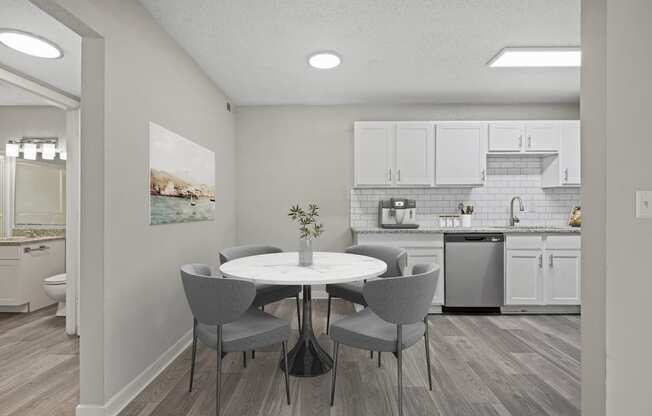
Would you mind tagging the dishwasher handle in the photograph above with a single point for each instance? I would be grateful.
(474, 238)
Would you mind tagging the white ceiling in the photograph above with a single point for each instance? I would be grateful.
(64, 73)
(11, 95)
(409, 51)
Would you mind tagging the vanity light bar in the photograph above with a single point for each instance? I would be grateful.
(30, 146)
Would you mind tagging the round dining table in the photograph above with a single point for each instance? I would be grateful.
(307, 358)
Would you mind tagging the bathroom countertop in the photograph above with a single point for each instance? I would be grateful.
(444, 230)
(20, 241)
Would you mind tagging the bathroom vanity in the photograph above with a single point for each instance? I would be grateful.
(24, 263)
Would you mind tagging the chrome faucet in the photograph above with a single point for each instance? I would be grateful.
(513, 219)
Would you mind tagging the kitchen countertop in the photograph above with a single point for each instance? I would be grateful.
(20, 241)
(443, 230)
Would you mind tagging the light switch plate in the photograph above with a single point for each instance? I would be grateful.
(643, 204)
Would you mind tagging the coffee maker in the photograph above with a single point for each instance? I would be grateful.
(397, 213)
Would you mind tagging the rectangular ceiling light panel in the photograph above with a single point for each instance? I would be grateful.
(537, 58)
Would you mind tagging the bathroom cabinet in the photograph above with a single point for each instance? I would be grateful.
(24, 263)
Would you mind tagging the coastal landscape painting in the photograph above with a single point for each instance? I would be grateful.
(181, 179)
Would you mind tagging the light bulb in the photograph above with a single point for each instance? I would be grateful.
(12, 149)
(48, 151)
(29, 151)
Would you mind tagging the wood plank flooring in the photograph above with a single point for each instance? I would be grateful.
(39, 365)
(482, 366)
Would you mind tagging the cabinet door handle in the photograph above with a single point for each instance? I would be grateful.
(520, 141)
(483, 173)
(40, 248)
(399, 175)
(566, 175)
(550, 260)
(390, 174)
(541, 260)
(529, 141)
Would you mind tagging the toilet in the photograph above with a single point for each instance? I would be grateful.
(55, 288)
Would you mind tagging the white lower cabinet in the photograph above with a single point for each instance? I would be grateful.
(543, 270)
(523, 282)
(563, 270)
(421, 248)
(22, 270)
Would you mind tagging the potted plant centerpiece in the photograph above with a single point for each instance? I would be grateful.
(309, 229)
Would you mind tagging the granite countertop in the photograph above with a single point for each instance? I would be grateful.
(443, 230)
(20, 241)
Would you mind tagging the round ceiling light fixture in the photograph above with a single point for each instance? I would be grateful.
(30, 44)
(324, 60)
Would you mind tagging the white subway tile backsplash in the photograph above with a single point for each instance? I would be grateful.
(507, 176)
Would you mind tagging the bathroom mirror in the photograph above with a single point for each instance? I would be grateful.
(40, 193)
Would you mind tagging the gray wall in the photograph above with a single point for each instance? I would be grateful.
(133, 74)
(616, 107)
(594, 196)
(629, 240)
(39, 121)
(301, 154)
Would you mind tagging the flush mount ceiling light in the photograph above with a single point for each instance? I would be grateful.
(324, 60)
(535, 57)
(30, 44)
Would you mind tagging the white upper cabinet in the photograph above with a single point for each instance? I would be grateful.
(460, 153)
(506, 137)
(374, 144)
(542, 136)
(454, 153)
(414, 154)
(570, 154)
(564, 169)
(394, 154)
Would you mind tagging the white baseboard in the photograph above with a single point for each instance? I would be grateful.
(541, 309)
(90, 410)
(121, 399)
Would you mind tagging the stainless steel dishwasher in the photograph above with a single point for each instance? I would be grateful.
(474, 270)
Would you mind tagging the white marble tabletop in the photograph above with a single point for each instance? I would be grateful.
(284, 269)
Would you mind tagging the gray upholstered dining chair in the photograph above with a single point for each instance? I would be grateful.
(224, 319)
(396, 260)
(397, 310)
(265, 294)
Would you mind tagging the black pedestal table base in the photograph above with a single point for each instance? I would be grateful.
(308, 358)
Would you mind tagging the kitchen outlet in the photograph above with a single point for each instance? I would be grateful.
(643, 204)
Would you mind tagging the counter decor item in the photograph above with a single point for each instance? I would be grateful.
(466, 220)
(575, 219)
(309, 229)
(449, 221)
(467, 211)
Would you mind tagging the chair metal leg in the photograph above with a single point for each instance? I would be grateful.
(219, 370)
(194, 352)
(425, 320)
(298, 312)
(244, 359)
(328, 315)
(336, 350)
(287, 381)
(253, 352)
(379, 364)
(399, 348)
